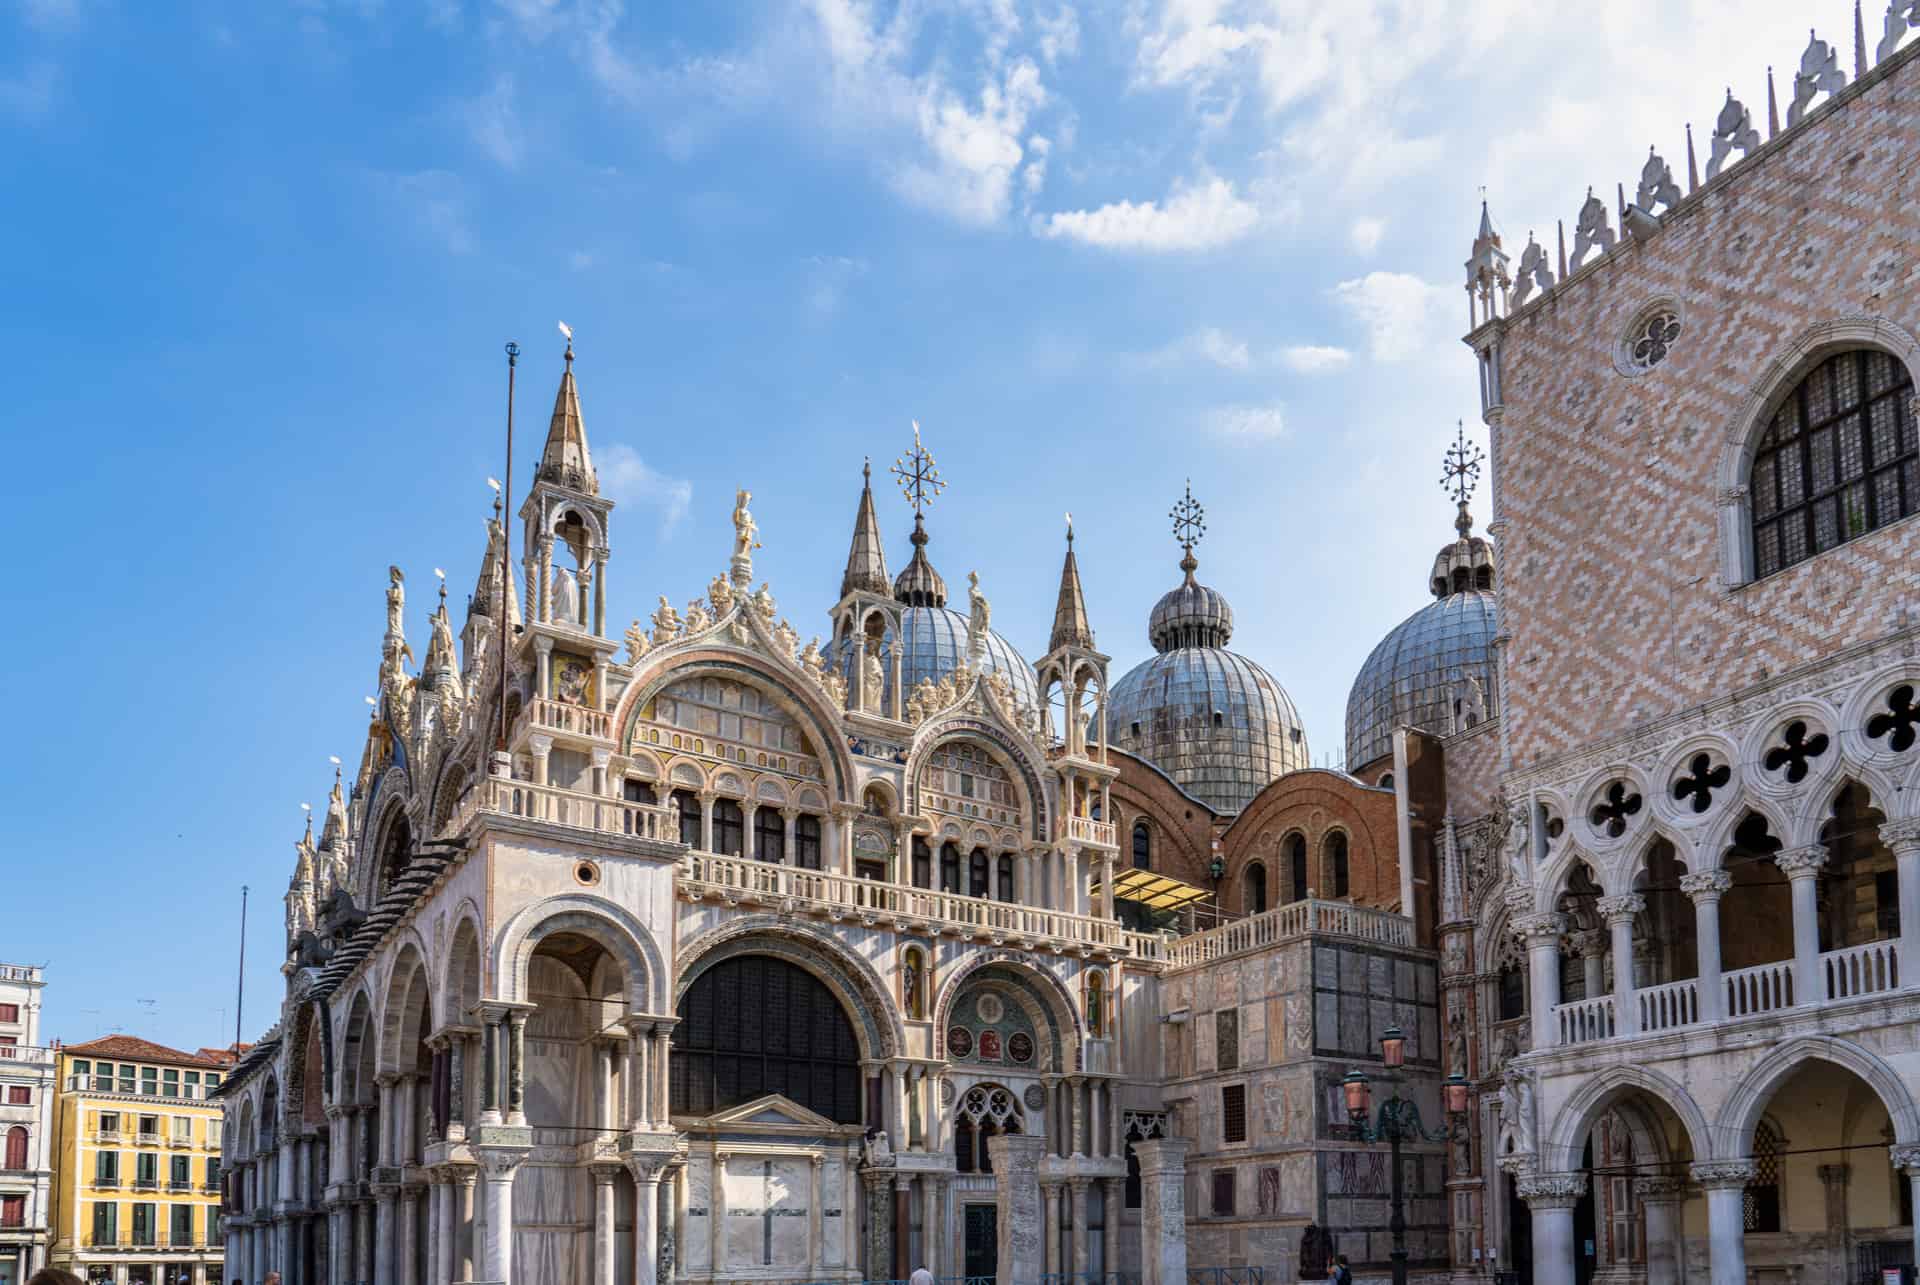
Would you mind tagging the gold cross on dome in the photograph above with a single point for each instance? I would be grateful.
(919, 476)
(1189, 520)
(1460, 467)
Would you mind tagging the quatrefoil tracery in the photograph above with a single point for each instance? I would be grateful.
(1703, 776)
(1609, 816)
(1899, 722)
(1795, 754)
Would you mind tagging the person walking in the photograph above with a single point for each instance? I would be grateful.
(921, 1276)
(1342, 1274)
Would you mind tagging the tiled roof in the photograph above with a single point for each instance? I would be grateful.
(133, 1048)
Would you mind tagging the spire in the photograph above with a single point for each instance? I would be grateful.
(335, 827)
(441, 660)
(920, 482)
(1486, 225)
(1070, 627)
(866, 558)
(1859, 42)
(565, 459)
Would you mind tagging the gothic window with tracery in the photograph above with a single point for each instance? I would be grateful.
(1838, 459)
(1651, 338)
(987, 1111)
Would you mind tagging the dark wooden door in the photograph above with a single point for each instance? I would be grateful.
(982, 1241)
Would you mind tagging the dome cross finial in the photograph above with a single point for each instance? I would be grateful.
(1459, 472)
(1189, 526)
(919, 476)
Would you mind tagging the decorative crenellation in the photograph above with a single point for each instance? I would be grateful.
(1494, 295)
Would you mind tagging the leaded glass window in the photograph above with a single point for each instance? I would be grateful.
(1838, 459)
(1761, 1202)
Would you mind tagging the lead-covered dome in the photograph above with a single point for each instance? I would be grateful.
(936, 643)
(1215, 722)
(1434, 671)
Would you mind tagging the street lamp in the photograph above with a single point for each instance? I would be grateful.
(1398, 1121)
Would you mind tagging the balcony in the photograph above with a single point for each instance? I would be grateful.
(19, 973)
(568, 720)
(1309, 918)
(590, 813)
(146, 1184)
(178, 1187)
(107, 1181)
(107, 1138)
(33, 1054)
(1747, 992)
(1088, 831)
(145, 1139)
(178, 1140)
(836, 897)
(133, 1088)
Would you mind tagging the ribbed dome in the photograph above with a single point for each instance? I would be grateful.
(936, 643)
(1435, 670)
(1214, 721)
(1190, 615)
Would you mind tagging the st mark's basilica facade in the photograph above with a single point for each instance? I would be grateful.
(691, 951)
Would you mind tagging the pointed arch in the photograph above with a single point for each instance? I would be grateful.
(1603, 1090)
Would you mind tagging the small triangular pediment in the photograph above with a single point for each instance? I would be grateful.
(772, 1110)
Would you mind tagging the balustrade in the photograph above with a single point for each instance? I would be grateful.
(1668, 1007)
(572, 720)
(1861, 970)
(1585, 1019)
(1296, 919)
(571, 809)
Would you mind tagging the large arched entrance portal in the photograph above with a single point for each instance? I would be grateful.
(754, 1025)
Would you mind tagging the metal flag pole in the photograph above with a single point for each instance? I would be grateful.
(506, 561)
(240, 998)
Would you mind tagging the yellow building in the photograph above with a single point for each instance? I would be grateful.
(136, 1187)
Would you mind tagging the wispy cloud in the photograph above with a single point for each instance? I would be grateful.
(627, 479)
(1314, 359)
(1365, 234)
(1209, 345)
(1398, 310)
(1248, 424)
(1205, 216)
(493, 125)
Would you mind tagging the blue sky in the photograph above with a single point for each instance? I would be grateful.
(262, 259)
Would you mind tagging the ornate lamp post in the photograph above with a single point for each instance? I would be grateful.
(1399, 1121)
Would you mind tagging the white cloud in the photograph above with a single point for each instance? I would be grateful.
(493, 125)
(1315, 359)
(1248, 424)
(1366, 233)
(1398, 310)
(971, 153)
(1202, 217)
(627, 479)
(1210, 345)
(1059, 33)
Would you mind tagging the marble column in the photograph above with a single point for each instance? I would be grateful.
(490, 1060)
(1661, 1199)
(1551, 1198)
(386, 1204)
(407, 1266)
(498, 1165)
(1590, 946)
(1620, 912)
(464, 1249)
(930, 1228)
(1903, 839)
(517, 1068)
(1078, 1113)
(1115, 1191)
(1802, 868)
(662, 1061)
(1839, 1220)
(1016, 1167)
(1163, 1210)
(445, 1265)
(603, 1260)
(902, 1210)
(1541, 936)
(1706, 889)
(1050, 1194)
(1906, 1159)
(1077, 1189)
(646, 1215)
(363, 1240)
(1725, 1182)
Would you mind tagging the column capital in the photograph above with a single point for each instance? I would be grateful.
(1801, 863)
(1903, 837)
(1720, 1175)
(604, 1172)
(1660, 1191)
(541, 744)
(1551, 1190)
(1906, 1158)
(1538, 930)
(1620, 909)
(500, 1163)
(1708, 885)
(1588, 943)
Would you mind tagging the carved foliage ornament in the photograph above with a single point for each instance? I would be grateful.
(1554, 1190)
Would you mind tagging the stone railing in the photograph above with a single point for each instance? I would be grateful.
(1663, 1008)
(1087, 830)
(736, 881)
(1862, 970)
(1584, 1020)
(19, 972)
(1310, 918)
(572, 720)
(25, 1053)
(566, 808)
(1760, 989)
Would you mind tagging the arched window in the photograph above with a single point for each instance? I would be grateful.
(769, 834)
(1005, 874)
(979, 873)
(1761, 1204)
(1297, 868)
(689, 807)
(1256, 899)
(396, 850)
(1142, 846)
(17, 1147)
(754, 1025)
(1096, 1003)
(728, 827)
(1838, 460)
(913, 983)
(806, 842)
(1513, 990)
(949, 867)
(1337, 862)
(922, 863)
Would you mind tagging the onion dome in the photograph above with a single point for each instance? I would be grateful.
(1435, 670)
(1214, 721)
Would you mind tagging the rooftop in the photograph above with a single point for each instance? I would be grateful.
(131, 1048)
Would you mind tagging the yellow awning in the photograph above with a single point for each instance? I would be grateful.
(1156, 891)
